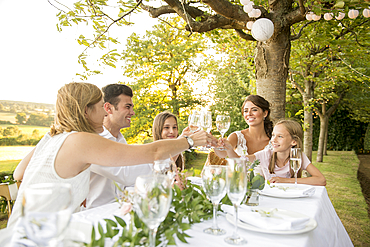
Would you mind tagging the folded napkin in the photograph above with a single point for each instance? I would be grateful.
(269, 219)
(289, 190)
(195, 180)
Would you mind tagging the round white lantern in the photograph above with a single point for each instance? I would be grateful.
(244, 2)
(316, 17)
(340, 16)
(248, 8)
(262, 29)
(366, 13)
(257, 13)
(328, 16)
(309, 16)
(250, 24)
(353, 13)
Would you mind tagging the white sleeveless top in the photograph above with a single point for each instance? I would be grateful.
(241, 147)
(41, 170)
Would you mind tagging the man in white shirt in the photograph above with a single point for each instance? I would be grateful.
(119, 106)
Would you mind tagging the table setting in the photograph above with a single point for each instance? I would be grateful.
(213, 209)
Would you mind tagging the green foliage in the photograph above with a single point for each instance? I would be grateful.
(344, 133)
(21, 117)
(189, 206)
(163, 70)
(255, 181)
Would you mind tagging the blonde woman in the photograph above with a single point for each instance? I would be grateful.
(65, 154)
(285, 135)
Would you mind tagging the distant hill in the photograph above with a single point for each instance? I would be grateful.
(33, 105)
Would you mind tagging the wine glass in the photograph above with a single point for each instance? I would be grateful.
(152, 200)
(47, 209)
(295, 161)
(222, 124)
(214, 185)
(194, 121)
(206, 124)
(236, 186)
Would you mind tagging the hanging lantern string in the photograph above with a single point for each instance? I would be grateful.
(358, 72)
(186, 15)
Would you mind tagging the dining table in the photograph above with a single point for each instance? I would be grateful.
(326, 229)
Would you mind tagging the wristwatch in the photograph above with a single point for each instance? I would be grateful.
(190, 141)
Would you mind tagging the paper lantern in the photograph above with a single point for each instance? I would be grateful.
(250, 24)
(262, 29)
(316, 17)
(248, 8)
(340, 16)
(257, 13)
(309, 16)
(353, 13)
(252, 14)
(244, 2)
(328, 16)
(366, 13)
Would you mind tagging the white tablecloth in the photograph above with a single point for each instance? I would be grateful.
(329, 230)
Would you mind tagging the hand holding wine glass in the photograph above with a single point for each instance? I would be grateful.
(223, 125)
(152, 200)
(236, 187)
(295, 161)
(214, 185)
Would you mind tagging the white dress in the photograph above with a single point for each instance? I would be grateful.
(41, 170)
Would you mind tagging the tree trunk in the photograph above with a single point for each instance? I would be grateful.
(326, 137)
(323, 121)
(272, 62)
(307, 94)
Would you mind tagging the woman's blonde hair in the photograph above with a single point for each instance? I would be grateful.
(158, 125)
(72, 100)
(296, 132)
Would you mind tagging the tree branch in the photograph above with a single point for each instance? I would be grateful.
(294, 16)
(243, 35)
(297, 36)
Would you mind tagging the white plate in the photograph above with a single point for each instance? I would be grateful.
(311, 225)
(289, 187)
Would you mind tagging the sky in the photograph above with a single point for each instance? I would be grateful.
(36, 60)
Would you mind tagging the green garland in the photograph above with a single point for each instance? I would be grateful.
(189, 206)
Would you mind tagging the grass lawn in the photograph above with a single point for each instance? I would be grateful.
(14, 152)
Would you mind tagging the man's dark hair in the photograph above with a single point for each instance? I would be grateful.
(112, 91)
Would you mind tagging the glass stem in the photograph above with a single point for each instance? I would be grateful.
(295, 176)
(235, 234)
(215, 226)
(152, 234)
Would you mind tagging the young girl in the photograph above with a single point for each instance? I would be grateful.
(275, 163)
(165, 127)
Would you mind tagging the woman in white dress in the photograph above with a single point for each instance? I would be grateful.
(256, 112)
(65, 154)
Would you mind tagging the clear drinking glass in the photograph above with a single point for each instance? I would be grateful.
(214, 185)
(152, 200)
(236, 186)
(47, 209)
(194, 121)
(223, 125)
(295, 161)
(206, 125)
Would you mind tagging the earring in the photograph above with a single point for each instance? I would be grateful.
(264, 118)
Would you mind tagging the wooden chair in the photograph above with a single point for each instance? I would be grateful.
(213, 159)
(9, 193)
